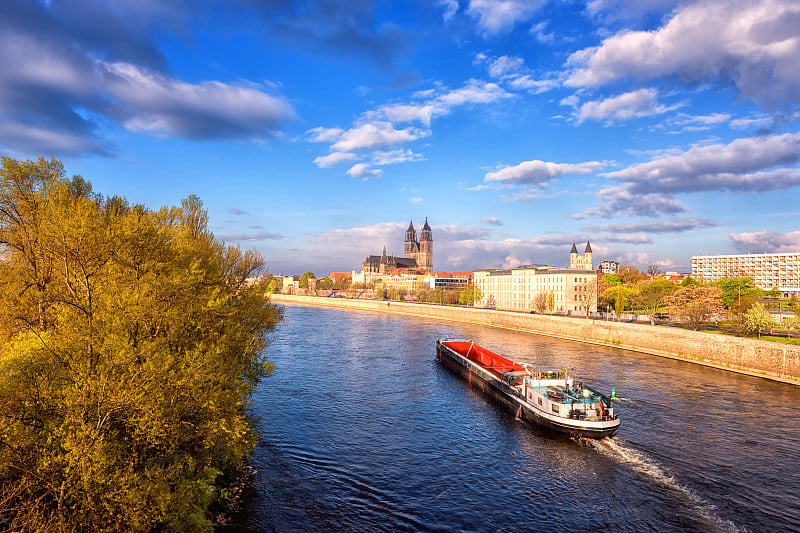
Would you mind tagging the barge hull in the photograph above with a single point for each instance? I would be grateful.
(493, 387)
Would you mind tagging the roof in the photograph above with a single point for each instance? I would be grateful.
(574, 248)
(426, 226)
(588, 248)
(339, 275)
(410, 226)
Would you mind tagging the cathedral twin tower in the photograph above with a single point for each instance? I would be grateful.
(421, 251)
(416, 254)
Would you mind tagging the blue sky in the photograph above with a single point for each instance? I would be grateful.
(314, 130)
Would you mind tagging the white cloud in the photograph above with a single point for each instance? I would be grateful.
(541, 171)
(378, 134)
(322, 135)
(450, 9)
(327, 161)
(755, 164)
(394, 156)
(744, 164)
(474, 92)
(688, 122)
(152, 103)
(672, 225)
(766, 241)
(515, 74)
(628, 9)
(641, 103)
(495, 16)
(505, 66)
(526, 83)
(415, 200)
(410, 112)
(364, 171)
(754, 45)
(621, 201)
(759, 121)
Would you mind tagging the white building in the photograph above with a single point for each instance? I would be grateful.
(516, 289)
(768, 271)
(609, 266)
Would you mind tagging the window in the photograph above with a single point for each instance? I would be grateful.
(555, 408)
(540, 401)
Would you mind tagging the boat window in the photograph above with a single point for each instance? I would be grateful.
(555, 408)
(540, 401)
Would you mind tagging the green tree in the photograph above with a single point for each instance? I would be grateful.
(689, 281)
(610, 279)
(130, 344)
(470, 294)
(695, 305)
(652, 297)
(304, 279)
(734, 288)
(551, 302)
(617, 298)
(757, 318)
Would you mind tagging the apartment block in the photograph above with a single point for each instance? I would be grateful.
(768, 271)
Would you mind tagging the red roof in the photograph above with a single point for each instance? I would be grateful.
(338, 275)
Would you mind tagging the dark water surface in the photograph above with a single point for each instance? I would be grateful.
(362, 430)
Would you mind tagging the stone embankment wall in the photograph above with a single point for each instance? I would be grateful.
(749, 356)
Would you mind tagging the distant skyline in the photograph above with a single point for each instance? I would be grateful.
(314, 130)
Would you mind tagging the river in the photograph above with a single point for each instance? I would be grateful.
(362, 430)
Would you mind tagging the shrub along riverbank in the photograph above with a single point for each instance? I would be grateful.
(771, 360)
(130, 344)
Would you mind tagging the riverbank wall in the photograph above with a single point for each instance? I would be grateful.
(772, 360)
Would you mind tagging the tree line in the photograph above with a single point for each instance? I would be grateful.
(130, 345)
(735, 303)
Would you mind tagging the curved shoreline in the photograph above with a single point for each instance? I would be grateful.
(764, 359)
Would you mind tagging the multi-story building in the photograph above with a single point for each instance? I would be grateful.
(516, 289)
(572, 289)
(609, 266)
(768, 271)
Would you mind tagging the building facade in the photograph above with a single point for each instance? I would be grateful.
(416, 253)
(570, 290)
(609, 266)
(516, 289)
(768, 271)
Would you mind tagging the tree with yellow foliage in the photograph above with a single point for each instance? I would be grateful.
(130, 344)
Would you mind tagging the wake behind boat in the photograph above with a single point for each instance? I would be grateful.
(546, 397)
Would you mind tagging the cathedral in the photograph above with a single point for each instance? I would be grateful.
(417, 254)
(581, 261)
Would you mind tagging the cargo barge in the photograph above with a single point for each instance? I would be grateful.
(549, 398)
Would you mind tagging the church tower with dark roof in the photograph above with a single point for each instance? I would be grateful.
(581, 261)
(425, 258)
(412, 246)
